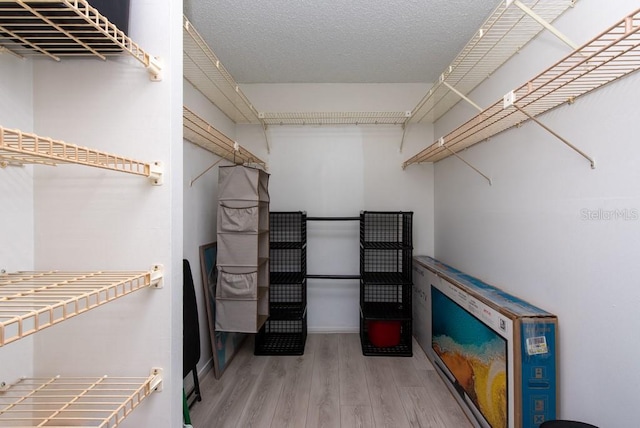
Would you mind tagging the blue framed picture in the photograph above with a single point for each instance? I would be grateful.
(224, 345)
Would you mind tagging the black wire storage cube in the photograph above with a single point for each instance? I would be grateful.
(285, 332)
(386, 337)
(392, 228)
(282, 336)
(288, 228)
(386, 249)
(392, 301)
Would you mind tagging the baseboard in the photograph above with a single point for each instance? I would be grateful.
(187, 382)
(329, 330)
(206, 368)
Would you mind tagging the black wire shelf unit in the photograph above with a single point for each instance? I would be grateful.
(386, 247)
(285, 332)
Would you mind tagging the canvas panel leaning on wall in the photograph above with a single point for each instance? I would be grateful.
(224, 345)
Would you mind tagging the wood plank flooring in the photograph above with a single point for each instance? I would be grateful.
(331, 386)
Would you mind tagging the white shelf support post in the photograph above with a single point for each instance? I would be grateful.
(542, 22)
(156, 171)
(442, 144)
(509, 100)
(461, 95)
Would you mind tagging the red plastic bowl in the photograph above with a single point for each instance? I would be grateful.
(384, 334)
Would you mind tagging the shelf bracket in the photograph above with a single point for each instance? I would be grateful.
(264, 130)
(156, 382)
(157, 276)
(510, 100)
(235, 149)
(442, 144)
(542, 22)
(460, 94)
(154, 69)
(9, 51)
(5, 162)
(156, 171)
(404, 129)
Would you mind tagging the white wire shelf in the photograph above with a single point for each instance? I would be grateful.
(610, 56)
(17, 147)
(74, 401)
(65, 28)
(33, 301)
(203, 69)
(506, 31)
(201, 133)
(335, 118)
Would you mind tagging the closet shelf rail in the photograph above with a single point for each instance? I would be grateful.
(608, 57)
(335, 118)
(201, 133)
(75, 401)
(66, 28)
(26, 148)
(33, 301)
(502, 35)
(205, 72)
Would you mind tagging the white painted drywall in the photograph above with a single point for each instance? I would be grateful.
(93, 219)
(553, 231)
(339, 171)
(200, 208)
(16, 201)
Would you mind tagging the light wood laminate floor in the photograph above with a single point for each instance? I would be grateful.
(332, 385)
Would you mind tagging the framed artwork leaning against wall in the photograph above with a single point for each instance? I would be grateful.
(224, 345)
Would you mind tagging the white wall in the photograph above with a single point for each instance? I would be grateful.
(200, 206)
(16, 201)
(339, 171)
(544, 231)
(88, 219)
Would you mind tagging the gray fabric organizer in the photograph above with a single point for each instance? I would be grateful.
(242, 291)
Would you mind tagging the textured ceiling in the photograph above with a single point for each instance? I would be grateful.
(337, 41)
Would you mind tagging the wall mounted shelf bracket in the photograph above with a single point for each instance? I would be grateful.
(156, 171)
(154, 68)
(509, 101)
(460, 94)
(443, 145)
(5, 162)
(404, 129)
(156, 381)
(542, 22)
(207, 170)
(9, 51)
(264, 129)
(156, 277)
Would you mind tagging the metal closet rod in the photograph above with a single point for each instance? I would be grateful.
(333, 218)
(333, 276)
